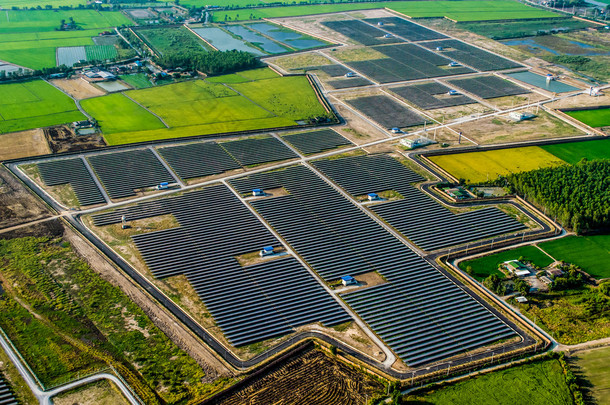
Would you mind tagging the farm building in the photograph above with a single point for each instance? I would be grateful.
(416, 143)
(517, 268)
(458, 193)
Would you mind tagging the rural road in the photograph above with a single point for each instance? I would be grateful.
(45, 397)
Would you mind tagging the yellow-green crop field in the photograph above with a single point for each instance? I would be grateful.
(261, 100)
(34, 104)
(476, 167)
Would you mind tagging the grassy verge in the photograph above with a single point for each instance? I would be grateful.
(65, 319)
(541, 382)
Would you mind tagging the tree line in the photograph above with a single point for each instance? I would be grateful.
(577, 195)
(211, 63)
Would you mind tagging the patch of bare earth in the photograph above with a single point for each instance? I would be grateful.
(23, 144)
(501, 129)
(17, 204)
(78, 88)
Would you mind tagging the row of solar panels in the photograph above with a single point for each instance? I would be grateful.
(419, 217)
(123, 172)
(249, 303)
(6, 393)
(415, 312)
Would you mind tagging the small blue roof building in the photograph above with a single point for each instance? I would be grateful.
(348, 280)
(258, 192)
(373, 197)
(267, 251)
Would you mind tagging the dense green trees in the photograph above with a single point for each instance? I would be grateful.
(210, 63)
(577, 195)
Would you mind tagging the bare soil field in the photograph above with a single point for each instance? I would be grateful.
(23, 144)
(17, 204)
(581, 100)
(501, 129)
(62, 139)
(310, 378)
(98, 393)
(77, 88)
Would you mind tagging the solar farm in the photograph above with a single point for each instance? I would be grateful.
(6, 394)
(309, 179)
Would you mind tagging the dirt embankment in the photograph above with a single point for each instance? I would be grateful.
(17, 204)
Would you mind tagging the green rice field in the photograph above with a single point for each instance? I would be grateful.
(573, 152)
(29, 39)
(29, 3)
(593, 118)
(254, 99)
(485, 266)
(460, 11)
(593, 366)
(101, 52)
(538, 383)
(137, 80)
(476, 167)
(590, 253)
(34, 104)
(117, 113)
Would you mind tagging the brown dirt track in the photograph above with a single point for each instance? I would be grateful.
(310, 378)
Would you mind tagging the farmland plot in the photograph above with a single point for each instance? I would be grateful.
(34, 104)
(286, 36)
(225, 42)
(70, 56)
(257, 39)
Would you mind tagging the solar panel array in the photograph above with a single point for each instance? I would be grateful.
(406, 62)
(75, 173)
(351, 82)
(386, 111)
(249, 303)
(425, 318)
(123, 172)
(471, 55)
(361, 32)
(423, 96)
(255, 151)
(311, 142)
(415, 312)
(422, 219)
(198, 159)
(332, 70)
(489, 87)
(6, 393)
(406, 29)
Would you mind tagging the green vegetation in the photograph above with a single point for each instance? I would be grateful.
(573, 152)
(596, 66)
(482, 267)
(590, 253)
(166, 41)
(29, 38)
(592, 366)
(541, 382)
(117, 113)
(34, 104)
(253, 99)
(572, 316)
(137, 80)
(101, 52)
(593, 118)
(576, 194)
(519, 29)
(479, 167)
(65, 318)
(461, 11)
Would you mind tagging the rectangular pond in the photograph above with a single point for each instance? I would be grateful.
(286, 36)
(257, 39)
(223, 41)
(540, 81)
